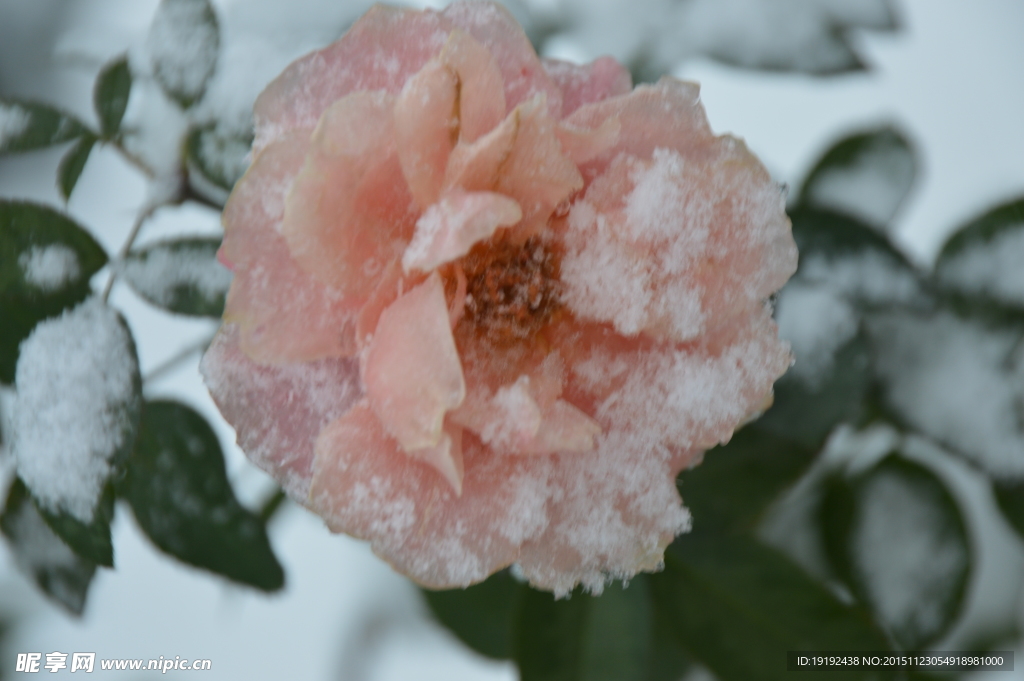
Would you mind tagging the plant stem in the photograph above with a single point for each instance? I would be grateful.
(136, 228)
(272, 505)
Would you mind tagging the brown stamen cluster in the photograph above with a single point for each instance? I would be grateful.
(512, 288)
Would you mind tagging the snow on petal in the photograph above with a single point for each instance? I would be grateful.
(588, 83)
(365, 59)
(449, 228)
(412, 516)
(481, 98)
(522, 73)
(77, 381)
(349, 211)
(277, 410)
(425, 127)
(270, 295)
(411, 370)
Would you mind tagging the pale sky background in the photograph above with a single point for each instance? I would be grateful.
(953, 79)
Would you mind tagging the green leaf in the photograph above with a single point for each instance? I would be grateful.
(90, 541)
(738, 606)
(73, 163)
(736, 482)
(867, 176)
(180, 275)
(980, 262)
(585, 638)
(60, 573)
(808, 411)
(216, 158)
(46, 261)
(896, 536)
(178, 488)
(27, 125)
(1010, 497)
(184, 43)
(832, 234)
(483, 616)
(110, 95)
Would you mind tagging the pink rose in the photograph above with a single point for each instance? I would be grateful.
(485, 306)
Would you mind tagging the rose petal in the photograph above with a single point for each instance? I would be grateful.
(588, 83)
(380, 52)
(582, 145)
(446, 457)
(474, 167)
(270, 295)
(449, 228)
(481, 98)
(522, 73)
(277, 411)
(412, 515)
(349, 211)
(411, 370)
(425, 125)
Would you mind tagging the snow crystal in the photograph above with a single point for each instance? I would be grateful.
(898, 533)
(183, 45)
(993, 268)
(817, 323)
(872, 187)
(958, 382)
(165, 270)
(75, 376)
(49, 267)
(13, 121)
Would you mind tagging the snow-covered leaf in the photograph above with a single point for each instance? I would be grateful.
(46, 261)
(57, 570)
(896, 536)
(180, 275)
(483, 616)
(28, 125)
(110, 95)
(178, 489)
(984, 260)
(75, 416)
(737, 481)
(867, 176)
(585, 638)
(184, 43)
(89, 540)
(958, 380)
(216, 159)
(810, 36)
(737, 605)
(73, 163)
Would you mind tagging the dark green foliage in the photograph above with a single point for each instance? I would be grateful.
(180, 275)
(60, 573)
(178, 488)
(23, 303)
(483, 616)
(73, 163)
(110, 96)
(842, 519)
(90, 540)
(43, 126)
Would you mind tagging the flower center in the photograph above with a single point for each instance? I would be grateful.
(512, 289)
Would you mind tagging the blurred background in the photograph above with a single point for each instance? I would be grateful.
(791, 77)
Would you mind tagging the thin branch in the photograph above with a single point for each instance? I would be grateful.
(272, 505)
(136, 228)
(176, 359)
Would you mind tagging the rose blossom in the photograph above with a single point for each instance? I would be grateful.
(485, 306)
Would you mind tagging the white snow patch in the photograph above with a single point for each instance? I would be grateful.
(75, 376)
(49, 267)
(165, 270)
(872, 187)
(183, 45)
(14, 120)
(869, 276)
(995, 268)
(958, 382)
(816, 322)
(906, 554)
